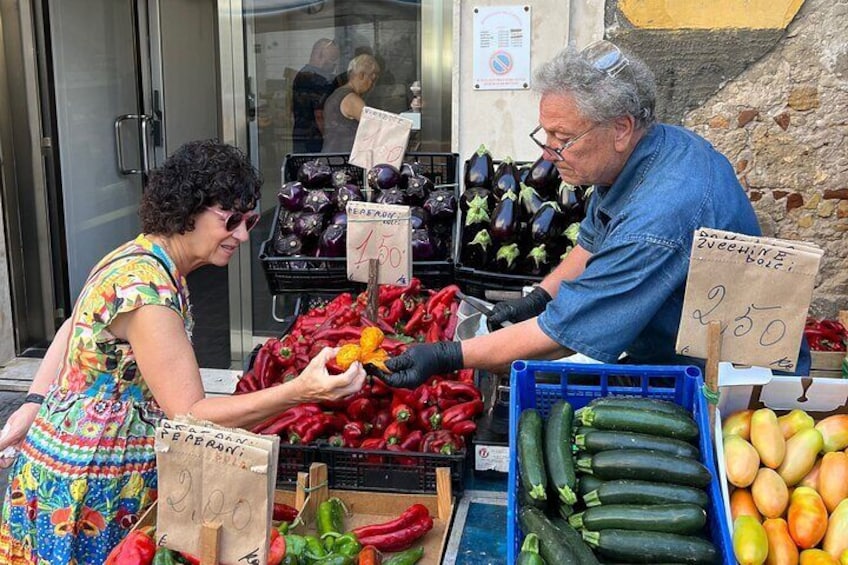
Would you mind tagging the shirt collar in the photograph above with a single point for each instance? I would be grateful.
(614, 197)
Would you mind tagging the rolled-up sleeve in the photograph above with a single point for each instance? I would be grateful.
(624, 284)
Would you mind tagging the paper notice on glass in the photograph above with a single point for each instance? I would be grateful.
(380, 138)
(214, 475)
(758, 288)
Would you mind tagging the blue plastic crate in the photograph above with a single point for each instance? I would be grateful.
(579, 384)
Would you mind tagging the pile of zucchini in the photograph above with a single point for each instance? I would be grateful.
(621, 476)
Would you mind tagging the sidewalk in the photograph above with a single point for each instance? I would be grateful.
(9, 402)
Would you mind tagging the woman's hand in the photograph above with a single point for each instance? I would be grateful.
(316, 384)
(15, 431)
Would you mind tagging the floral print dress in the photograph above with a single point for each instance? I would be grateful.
(87, 468)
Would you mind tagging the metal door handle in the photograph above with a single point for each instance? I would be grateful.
(145, 165)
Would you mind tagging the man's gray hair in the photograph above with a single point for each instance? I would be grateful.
(598, 95)
(363, 64)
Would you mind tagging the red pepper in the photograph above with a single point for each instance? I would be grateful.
(374, 443)
(412, 442)
(279, 423)
(340, 302)
(361, 409)
(395, 433)
(444, 403)
(424, 396)
(378, 323)
(399, 539)
(394, 313)
(338, 334)
(458, 390)
(441, 441)
(465, 411)
(416, 320)
(284, 512)
(309, 429)
(337, 440)
(379, 388)
(393, 347)
(248, 382)
(138, 548)
(355, 432)
(277, 549)
(381, 422)
(402, 412)
(453, 321)
(434, 332)
(445, 296)
(465, 376)
(387, 294)
(399, 459)
(429, 418)
(318, 345)
(261, 364)
(414, 513)
(464, 428)
(189, 558)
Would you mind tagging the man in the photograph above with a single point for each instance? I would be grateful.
(620, 290)
(310, 88)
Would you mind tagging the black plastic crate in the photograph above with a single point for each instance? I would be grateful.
(299, 274)
(372, 470)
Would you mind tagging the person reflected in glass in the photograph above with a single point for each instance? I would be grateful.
(343, 108)
(310, 88)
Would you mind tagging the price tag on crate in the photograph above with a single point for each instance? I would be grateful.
(381, 137)
(758, 289)
(210, 475)
(382, 232)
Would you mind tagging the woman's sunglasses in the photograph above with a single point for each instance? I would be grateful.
(234, 218)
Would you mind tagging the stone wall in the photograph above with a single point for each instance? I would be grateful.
(782, 121)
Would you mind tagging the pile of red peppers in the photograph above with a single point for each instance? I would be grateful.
(826, 335)
(437, 417)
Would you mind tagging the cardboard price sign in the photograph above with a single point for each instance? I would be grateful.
(381, 137)
(382, 232)
(758, 289)
(214, 475)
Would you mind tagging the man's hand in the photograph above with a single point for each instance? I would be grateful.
(520, 309)
(420, 362)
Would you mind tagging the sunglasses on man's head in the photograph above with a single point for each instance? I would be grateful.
(234, 218)
(605, 56)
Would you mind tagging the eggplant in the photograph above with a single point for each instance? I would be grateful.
(418, 187)
(408, 170)
(339, 219)
(572, 232)
(383, 176)
(340, 178)
(308, 227)
(524, 172)
(546, 224)
(506, 258)
(288, 245)
(570, 202)
(417, 217)
(423, 246)
(285, 221)
(478, 252)
(441, 205)
(505, 219)
(476, 218)
(537, 263)
(317, 202)
(333, 241)
(346, 193)
(471, 194)
(530, 200)
(392, 196)
(315, 174)
(479, 170)
(291, 196)
(544, 177)
(506, 178)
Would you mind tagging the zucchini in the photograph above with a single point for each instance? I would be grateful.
(574, 541)
(566, 510)
(594, 441)
(641, 403)
(668, 518)
(587, 484)
(530, 551)
(558, 459)
(643, 421)
(644, 464)
(643, 492)
(652, 547)
(551, 546)
(531, 466)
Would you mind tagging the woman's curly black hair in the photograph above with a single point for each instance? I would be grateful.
(198, 175)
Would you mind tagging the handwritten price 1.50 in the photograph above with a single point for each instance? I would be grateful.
(762, 320)
(390, 254)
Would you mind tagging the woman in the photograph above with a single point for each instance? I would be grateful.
(343, 107)
(86, 468)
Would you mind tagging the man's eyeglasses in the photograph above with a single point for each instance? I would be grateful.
(233, 219)
(606, 57)
(558, 151)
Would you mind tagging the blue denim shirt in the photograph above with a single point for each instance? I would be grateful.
(639, 232)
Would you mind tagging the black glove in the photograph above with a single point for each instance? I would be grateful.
(420, 362)
(519, 309)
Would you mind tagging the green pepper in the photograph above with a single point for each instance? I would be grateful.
(331, 517)
(408, 557)
(314, 548)
(530, 551)
(334, 560)
(295, 545)
(164, 556)
(283, 528)
(290, 559)
(347, 545)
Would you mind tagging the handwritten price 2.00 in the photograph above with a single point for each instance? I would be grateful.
(390, 254)
(764, 321)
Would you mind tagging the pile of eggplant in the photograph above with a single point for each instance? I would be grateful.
(517, 219)
(313, 221)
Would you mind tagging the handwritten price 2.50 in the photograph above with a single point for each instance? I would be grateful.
(390, 254)
(764, 321)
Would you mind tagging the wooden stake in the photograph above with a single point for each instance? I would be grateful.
(318, 490)
(210, 537)
(711, 369)
(373, 289)
(444, 493)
